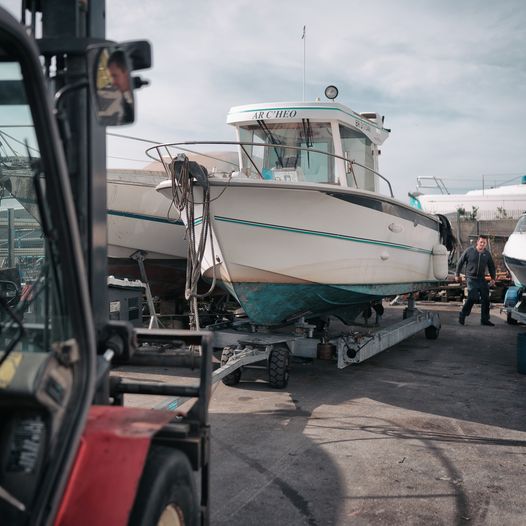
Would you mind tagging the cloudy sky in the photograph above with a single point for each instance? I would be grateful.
(449, 76)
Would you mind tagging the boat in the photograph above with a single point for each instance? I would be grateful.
(143, 224)
(514, 253)
(500, 202)
(301, 228)
(138, 219)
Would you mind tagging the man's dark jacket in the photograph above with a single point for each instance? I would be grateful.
(476, 263)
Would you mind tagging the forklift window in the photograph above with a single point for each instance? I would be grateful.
(28, 277)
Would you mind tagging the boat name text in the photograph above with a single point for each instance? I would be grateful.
(274, 114)
(362, 126)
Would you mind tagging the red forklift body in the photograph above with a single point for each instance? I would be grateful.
(104, 480)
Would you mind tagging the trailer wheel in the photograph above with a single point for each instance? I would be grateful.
(278, 367)
(234, 377)
(167, 495)
(432, 332)
(510, 319)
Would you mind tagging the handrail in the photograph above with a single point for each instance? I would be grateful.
(178, 145)
(439, 183)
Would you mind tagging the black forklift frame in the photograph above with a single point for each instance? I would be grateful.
(24, 49)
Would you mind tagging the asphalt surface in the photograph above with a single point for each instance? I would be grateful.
(428, 432)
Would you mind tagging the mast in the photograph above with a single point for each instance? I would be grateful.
(304, 38)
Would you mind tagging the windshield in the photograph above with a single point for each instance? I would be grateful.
(289, 164)
(30, 308)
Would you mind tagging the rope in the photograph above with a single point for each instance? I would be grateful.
(183, 198)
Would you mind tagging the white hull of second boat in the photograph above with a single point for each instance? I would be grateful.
(311, 247)
(514, 253)
(141, 219)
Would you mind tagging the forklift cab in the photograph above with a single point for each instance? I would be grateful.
(46, 335)
(63, 460)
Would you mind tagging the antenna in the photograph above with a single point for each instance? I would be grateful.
(304, 38)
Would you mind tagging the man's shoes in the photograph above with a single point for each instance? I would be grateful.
(488, 323)
(461, 318)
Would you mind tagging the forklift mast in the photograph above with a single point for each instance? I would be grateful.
(68, 29)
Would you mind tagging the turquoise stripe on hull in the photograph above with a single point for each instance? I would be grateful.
(318, 233)
(142, 217)
(277, 303)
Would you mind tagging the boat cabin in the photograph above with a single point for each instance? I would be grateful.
(328, 133)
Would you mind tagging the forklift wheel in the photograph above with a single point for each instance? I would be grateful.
(278, 367)
(167, 494)
(234, 377)
(431, 332)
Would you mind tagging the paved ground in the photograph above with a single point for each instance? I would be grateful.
(429, 432)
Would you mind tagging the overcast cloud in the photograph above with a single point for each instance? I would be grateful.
(450, 77)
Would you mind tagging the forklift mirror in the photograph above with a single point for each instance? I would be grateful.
(139, 53)
(112, 86)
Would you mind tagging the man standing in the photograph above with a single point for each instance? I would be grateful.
(476, 259)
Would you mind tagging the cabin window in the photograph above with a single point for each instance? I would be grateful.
(357, 147)
(251, 155)
(280, 160)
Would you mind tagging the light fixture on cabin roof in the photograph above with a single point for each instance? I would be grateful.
(331, 92)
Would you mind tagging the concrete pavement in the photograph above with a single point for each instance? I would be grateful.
(429, 432)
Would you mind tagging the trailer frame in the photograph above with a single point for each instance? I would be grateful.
(247, 347)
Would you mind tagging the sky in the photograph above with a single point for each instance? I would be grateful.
(449, 76)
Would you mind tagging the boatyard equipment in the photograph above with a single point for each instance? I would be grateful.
(515, 306)
(245, 347)
(70, 454)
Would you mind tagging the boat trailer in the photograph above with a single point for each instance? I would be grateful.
(242, 348)
(272, 352)
(515, 305)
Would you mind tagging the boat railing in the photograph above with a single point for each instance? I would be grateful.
(163, 153)
(436, 183)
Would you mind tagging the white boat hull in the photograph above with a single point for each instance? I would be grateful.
(141, 219)
(514, 255)
(289, 250)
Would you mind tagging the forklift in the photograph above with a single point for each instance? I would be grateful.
(71, 454)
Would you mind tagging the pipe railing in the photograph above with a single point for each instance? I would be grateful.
(181, 146)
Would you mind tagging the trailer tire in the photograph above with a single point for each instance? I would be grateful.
(432, 332)
(166, 489)
(510, 319)
(279, 367)
(234, 377)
